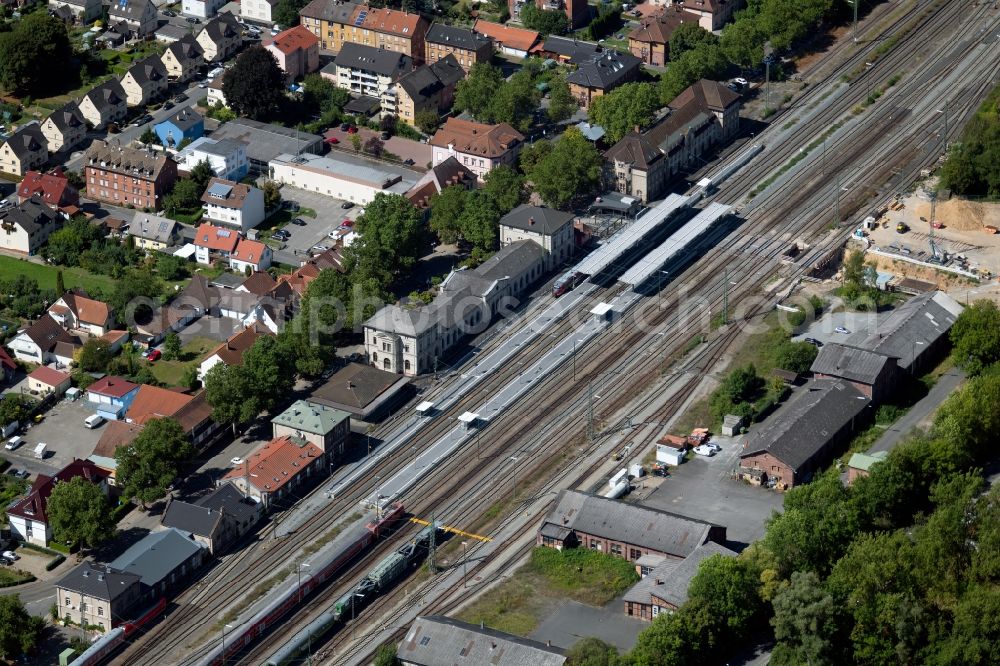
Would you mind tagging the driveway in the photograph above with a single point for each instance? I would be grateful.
(571, 621)
(329, 216)
(860, 325)
(64, 433)
(920, 414)
(702, 488)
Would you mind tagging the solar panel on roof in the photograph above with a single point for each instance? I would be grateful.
(361, 18)
(220, 190)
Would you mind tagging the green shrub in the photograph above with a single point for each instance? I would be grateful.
(55, 562)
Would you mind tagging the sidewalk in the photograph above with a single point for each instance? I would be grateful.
(920, 414)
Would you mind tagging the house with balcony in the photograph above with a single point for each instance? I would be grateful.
(25, 228)
(77, 313)
(212, 242)
(427, 88)
(250, 254)
(226, 157)
(365, 70)
(231, 351)
(64, 128)
(140, 16)
(152, 232)
(233, 204)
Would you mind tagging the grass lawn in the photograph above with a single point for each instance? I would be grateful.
(188, 217)
(10, 577)
(170, 372)
(518, 605)
(46, 275)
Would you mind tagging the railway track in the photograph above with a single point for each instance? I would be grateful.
(203, 605)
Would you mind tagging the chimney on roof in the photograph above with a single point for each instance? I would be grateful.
(531, 221)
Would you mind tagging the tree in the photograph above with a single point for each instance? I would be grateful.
(185, 196)
(742, 43)
(254, 85)
(975, 337)
(807, 624)
(374, 146)
(269, 370)
(967, 419)
(704, 61)
(135, 296)
(688, 37)
(147, 466)
(562, 104)
(201, 174)
(515, 102)
(446, 209)
(60, 283)
(94, 355)
(476, 91)
(675, 639)
(148, 137)
(19, 631)
(286, 12)
(226, 390)
(478, 221)
(15, 407)
(795, 356)
(591, 652)
(356, 142)
(386, 655)
(272, 194)
(505, 188)
(390, 234)
(189, 379)
(79, 513)
(171, 346)
(571, 171)
(544, 21)
(534, 153)
(727, 588)
(427, 121)
(625, 108)
(35, 56)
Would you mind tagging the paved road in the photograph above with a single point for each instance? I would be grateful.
(920, 411)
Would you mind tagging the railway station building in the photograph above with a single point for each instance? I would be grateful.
(664, 587)
(276, 469)
(97, 594)
(323, 426)
(552, 229)
(629, 531)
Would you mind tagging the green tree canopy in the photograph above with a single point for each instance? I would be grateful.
(562, 104)
(975, 337)
(689, 36)
(446, 210)
(286, 12)
(807, 624)
(201, 174)
(147, 466)
(135, 296)
(19, 631)
(185, 196)
(795, 356)
(390, 237)
(171, 346)
(591, 652)
(625, 108)
(544, 21)
(475, 92)
(35, 57)
(94, 355)
(704, 61)
(15, 407)
(254, 85)
(570, 172)
(505, 188)
(727, 588)
(742, 43)
(79, 513)
(479, 221)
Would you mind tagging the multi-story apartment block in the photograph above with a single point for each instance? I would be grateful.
(427, 88)
(128, 176)
(478, 146)
(577, 11)
(296, 50)
(336, 24)
(365, 70)
(468, 46)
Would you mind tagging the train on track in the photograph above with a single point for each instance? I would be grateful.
(382, 576)
(289, 594)
(567, 282)
(109, 642)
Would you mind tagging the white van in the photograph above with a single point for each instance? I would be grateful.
(93, 421)
(40, 450)
(14, 442)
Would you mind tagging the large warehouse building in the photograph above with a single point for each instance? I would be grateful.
(341, 176)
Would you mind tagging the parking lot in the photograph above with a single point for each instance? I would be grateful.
(64, 433)
(329, 216)
(701, 488)
(858, 324)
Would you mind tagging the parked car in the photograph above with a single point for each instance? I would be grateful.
(740, 81)
(168, 104)
(705, 450)
(93, 421)
(298, 221)
(5, 561)
(347, 205)
(236, 461)
(841, 329)
(292, 206)
(352, 129)
(203, 84)
(384, 136)
(180, 98)
(154, 354)
(814, 342)
(22, 474)
(318, 249)
(408, 162)
(11, 555)
(167, 12)
(333, 141)
(345, 126)
(192, 19)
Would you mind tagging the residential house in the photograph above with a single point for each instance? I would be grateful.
(116, 340)
(152, 232)
(366, 393)
(233, 204)
(185, 125)
(478, 146)
(192, 412)
(114, 435)
(366, 70)
(25, 228)
(104, 104)
(139, 15)
(63, 13)
(52, 189)
(269, 312)
(570, 51)
(231, 351)
(277, 469)
(250, 254)
(467, 45)
(226, 157)
(145, 81)
(221, 37)
(608, 70)
(128, 176)
(182, 59)
(111, 396)
(8, 368)
(24, 150)
(449, 173)
(212, 242)
(665, 587)
(28, 519)
(712, 14)
(871, 373)
(325, 427)
(215, 94)
(426, 88)
(84, 11)
(650, 41)
(296, 50)
(169, 33)
(266, 142)
(578, 12)
(549, 228)
(704, 116)
(328, 20)
(335, 24)
(411, 340)
(64, 128)
(259, 284)
(202, 8)
(216, 521)
(97, 595)
(37, 343)
(803, 435)
(77, 313)
(436, 639)
(915, 333)
(515, 42)
(44, 380)
(163, 561)
(258, 11)
(860, 464)
(115, 35)
(625, 530)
